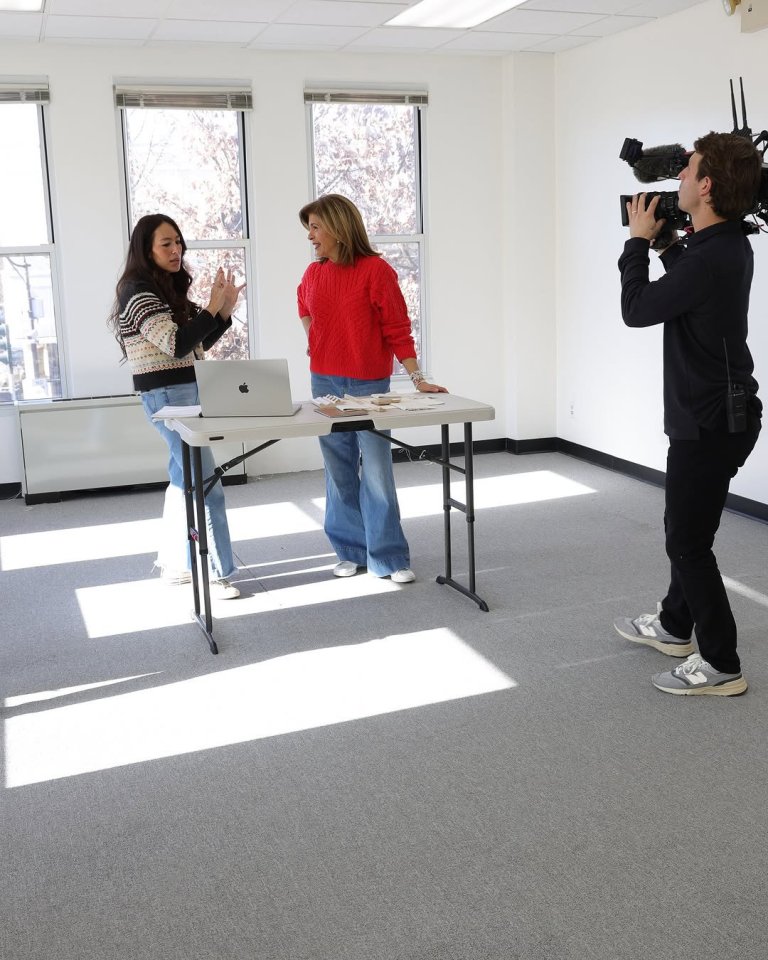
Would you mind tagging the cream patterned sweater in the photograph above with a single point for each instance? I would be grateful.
(160, 351)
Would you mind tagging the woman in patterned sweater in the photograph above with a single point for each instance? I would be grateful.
(161, 333)
(356, 322)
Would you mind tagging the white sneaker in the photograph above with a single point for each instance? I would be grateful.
(403, 576)
(222, 589)
(345, 569)
(174, 578)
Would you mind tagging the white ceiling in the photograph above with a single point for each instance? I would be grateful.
(352, 25)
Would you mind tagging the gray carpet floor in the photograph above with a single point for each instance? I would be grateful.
(370, 771)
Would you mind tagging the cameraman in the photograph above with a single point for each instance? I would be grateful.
(702, 300)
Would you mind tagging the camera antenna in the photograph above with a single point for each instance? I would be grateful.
(743, 131)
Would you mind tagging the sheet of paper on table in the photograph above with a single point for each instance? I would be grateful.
(177, 413)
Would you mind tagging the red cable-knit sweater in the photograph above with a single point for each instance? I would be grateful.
(359, 318)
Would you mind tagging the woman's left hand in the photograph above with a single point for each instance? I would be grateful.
(426, 387)
(231, 292)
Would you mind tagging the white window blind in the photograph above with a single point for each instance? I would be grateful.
(183, 98)
(369, 96)
(24, 93)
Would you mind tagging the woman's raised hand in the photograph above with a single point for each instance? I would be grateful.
(224, 294)
(232, 293)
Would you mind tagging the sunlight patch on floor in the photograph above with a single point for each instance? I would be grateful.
(78, 544)
(507, 491)
(300, 691)
(102, 541)
(270, 520)
(42, 695)
(136, 605)
(744, 591)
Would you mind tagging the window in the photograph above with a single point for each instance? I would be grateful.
(184, 156)
(368, 148)
(30, 368)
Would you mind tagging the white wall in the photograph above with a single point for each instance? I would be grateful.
(666, 82)
(464, 182)
(523, 180)
(529, 227)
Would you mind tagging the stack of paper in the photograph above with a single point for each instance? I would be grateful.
(376, 403)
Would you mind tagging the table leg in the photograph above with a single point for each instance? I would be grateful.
(194, 498)
(445, 466)
(467, 508)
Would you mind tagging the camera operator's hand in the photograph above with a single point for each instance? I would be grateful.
(664, 239)
(642, 220)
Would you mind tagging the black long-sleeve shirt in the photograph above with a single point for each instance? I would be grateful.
(702, 300)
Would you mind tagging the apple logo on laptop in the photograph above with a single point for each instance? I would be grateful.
(243, 388)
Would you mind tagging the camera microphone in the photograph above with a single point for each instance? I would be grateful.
(655, 163)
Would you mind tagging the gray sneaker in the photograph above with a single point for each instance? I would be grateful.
(695, 676)
(647, 629)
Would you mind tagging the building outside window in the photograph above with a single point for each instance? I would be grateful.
(184, 156)
(368, 147)
(30, 367)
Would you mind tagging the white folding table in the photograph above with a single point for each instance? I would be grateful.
(197, 432)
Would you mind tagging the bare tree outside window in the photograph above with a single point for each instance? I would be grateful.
(370, 153)
(186, 163)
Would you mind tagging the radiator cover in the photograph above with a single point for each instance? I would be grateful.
(93, 443)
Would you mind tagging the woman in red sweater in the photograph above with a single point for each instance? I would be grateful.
(356, 322)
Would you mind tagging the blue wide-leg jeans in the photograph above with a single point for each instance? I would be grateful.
(362, 515)
(173, 554)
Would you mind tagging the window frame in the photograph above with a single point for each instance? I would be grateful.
(418, 101)
(37, 94)
(188, 98)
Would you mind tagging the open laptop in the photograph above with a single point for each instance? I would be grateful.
(244, 388)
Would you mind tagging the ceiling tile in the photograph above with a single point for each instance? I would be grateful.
(404, 38)
(661, 8)
(539, 21)
(152, 9)
(21, 25)
(611, 25)
(341, 12)
(245, 11)
(98, 28)
(95, 42)
(199, 30)
(558, 44)
(290, 35)
(602, 7)
(476, 40)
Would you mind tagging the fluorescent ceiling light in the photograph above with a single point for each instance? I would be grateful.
(35, 6)
(451, 13)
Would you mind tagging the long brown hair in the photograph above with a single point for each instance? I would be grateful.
(172, 288)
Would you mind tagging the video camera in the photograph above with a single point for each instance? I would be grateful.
(666, 162)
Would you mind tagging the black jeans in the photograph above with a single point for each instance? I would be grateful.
(699, 473)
